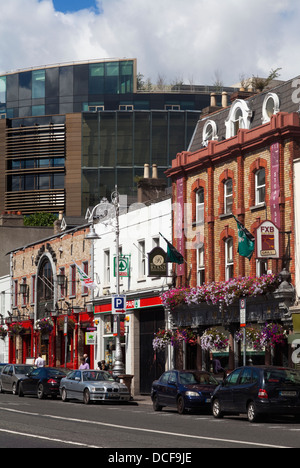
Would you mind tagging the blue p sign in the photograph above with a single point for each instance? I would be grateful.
(118, 304)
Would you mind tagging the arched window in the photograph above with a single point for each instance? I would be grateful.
(270, 107)
(228, 196)
(200, 206)
(260, 186)
(209, 132)
(45, 288)
(228, 258)
(239, 117)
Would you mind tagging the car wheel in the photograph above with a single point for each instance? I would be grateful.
(64, 395)
(14, 389)
(86, 397)
(156, 406)
(252, 414)
(1, 388)
(181, 405)
(216, 410)
(40, 392)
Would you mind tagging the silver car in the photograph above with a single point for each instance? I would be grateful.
(92, 385)
(11, 376)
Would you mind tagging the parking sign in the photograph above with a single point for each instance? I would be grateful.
(118, 305)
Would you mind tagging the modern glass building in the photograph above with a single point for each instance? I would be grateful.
(70, 132)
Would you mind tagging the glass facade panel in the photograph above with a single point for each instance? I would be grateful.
(107, 139)
(38, 110)
(90, 188)
(176, 132)
(2, 90)
(125, 139)
(142, 140)
(25, 86)
(38, 84)
(160, 138)
(12, 86)
(112, 78)
(81, 80)
(66, 81)
(96, 78)
(90, 141)
(52, 84)
(126, 77)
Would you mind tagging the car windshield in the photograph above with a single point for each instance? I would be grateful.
(97, 376)
(196, 378)
(282, 376)
(23, 369)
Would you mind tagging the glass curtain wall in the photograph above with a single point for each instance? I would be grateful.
(116, 145)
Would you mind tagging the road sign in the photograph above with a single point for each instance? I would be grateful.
(242, 313)
(124, 263)
(118, 305)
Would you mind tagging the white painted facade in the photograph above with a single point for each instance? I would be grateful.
(139, 234)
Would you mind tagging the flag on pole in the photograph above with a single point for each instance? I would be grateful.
(246, 241)
(85, 279)
(173, 256)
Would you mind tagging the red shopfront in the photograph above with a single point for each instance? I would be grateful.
(59, 349)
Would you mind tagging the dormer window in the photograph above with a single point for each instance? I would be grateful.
(270, 107)
(209, 132)
(239, 117)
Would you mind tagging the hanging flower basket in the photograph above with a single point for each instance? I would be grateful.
(44, 325)
(213, 340)
(164, 338)
(226, 292)
(268, 337)
(3, 332)
(253, 338)
(61, 322)
(16, 328)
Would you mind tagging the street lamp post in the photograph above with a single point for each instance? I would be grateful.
(118, 366)
(103, 212)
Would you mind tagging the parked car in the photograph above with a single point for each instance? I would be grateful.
(42, 382)
(258, 391)
(11, 376)
(92, 385)
(2, 365)
(185, 390)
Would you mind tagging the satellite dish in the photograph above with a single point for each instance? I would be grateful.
(104, 211)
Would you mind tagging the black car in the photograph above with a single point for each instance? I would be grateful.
(258, 391)
(42, 382)
(184, 390)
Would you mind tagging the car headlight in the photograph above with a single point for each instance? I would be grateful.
(191, 394)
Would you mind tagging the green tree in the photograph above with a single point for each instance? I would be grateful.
(40, 219)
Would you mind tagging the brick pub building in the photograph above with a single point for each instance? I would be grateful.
(240, 164)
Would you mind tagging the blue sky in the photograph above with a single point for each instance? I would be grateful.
(73, 5)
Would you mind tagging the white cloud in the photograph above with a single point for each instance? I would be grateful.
(174, 38)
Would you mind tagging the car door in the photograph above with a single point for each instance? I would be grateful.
(242, 390)
(5, 377)
(171, 390)
(225, 392)
(162, 389)
(30, 384)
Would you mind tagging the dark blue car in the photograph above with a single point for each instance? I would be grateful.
(184, 390)
(258, 391)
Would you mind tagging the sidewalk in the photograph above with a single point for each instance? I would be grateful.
(142, 400)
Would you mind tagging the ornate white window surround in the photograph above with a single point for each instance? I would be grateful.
(239, 117)
(210, 131)
(270, 107)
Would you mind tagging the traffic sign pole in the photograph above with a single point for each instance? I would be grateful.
(243, 325)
